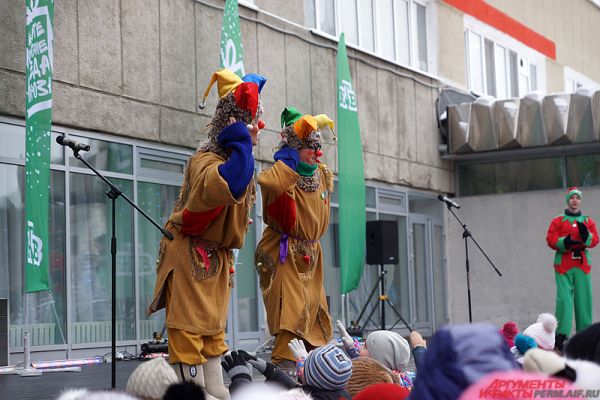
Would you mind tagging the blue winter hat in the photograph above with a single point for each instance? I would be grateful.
(457, 356)
(327, 368)
(255, 78)
(524, 343)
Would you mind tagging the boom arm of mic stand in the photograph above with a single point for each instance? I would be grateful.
(468, 234)
(116, 192)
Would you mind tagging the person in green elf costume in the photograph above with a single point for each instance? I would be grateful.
(570, 234)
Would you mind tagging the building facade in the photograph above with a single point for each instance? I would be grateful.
(128, 75)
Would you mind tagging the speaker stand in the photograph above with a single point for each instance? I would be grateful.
(383, 299)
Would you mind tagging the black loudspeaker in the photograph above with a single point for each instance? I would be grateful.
(382, 242)
(4, 355)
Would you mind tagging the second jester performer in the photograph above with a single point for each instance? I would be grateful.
(289, 258)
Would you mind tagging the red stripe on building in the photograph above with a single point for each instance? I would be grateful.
(504, 23)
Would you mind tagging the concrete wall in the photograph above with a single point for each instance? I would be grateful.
(572, 25)
(137, 68)
(511, 228)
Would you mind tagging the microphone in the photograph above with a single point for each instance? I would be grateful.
(75, 146)
(448, 202)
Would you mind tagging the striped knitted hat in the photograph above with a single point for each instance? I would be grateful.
(572, 191)
(327, 368)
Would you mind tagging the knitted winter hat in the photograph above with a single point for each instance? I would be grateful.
(523, 344)
(543, 331)
(327, 368)
(509, 331)
(571, 191)
(514, 384)
(389, 348)
(457, 356)
(585, 345)
(151, 379)
(367, 371)
(383, 391)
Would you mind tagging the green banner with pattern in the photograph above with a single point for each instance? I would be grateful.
(38, 38)
(351, 186)
(232, 51)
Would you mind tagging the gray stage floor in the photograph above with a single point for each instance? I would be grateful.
(93, 377)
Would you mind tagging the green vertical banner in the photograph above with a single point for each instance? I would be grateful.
(232, 51)
(351, 186)
(39, 35)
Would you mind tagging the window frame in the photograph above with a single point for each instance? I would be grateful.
(525, 57)
(413, 39)
(577, 78)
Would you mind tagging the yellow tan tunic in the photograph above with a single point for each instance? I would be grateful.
(215, 223)
(293, 290)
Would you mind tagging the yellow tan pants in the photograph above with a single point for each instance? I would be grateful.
(190, 348)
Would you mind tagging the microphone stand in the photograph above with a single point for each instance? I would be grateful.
(466, 235)
(113, 194)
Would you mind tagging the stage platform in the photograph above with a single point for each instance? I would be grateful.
(93, 377)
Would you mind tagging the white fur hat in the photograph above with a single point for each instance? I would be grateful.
(543, 331)
(151, 379)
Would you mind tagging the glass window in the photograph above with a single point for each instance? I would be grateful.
(533, 77)
(513, 73)
(510, 176)
(91, 226)
(13, 144)
(385, 28)
(156, 200)
(421, 271)
(309, 14)
(326, 14)
(500, 72)
(105, 156)
(366, 37)
(583, 170)
(371, 195)
(475, 63)
(420, 19)
(439, 277)
(46, 319)
(402, 37)
(490, 74)
(348, 22)
(396, 279)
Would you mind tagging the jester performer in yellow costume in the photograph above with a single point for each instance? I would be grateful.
(209, 219)
(289, 259)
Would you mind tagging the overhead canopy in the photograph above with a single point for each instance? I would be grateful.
(533, 121)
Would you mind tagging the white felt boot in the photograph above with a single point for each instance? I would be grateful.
(213, 379)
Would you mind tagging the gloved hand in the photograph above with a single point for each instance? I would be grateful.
(289, 156)
(351, 345)
(239, 168)
(269, 370)
(237, 367)
(298, 348)
(237, 132)
(568, 242)
(583, 231)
